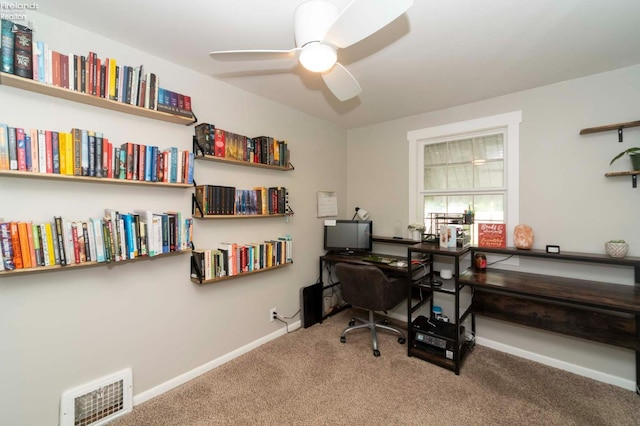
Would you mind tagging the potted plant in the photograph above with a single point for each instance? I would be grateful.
(634, 155)
(616, 248)
(416, 230)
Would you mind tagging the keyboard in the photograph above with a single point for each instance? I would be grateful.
(378, 259)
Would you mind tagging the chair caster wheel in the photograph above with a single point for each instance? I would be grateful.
(352, 322)
(343, 339)
(401, 340)
(376, 352)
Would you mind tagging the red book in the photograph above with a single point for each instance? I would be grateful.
(97, 76)
(219, 143)
(142, 161)
(55, 68)
(107, 158)
(492, 235)
(187, 102)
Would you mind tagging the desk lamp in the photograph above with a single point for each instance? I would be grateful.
(361, 214)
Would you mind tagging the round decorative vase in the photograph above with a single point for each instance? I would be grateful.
(616, 249)
(523, 237)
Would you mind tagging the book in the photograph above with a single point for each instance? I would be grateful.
(48, 140)
(23, 51)
(492, 235)
(25, 249)
(6, 246)
(77, 152)
(4, 147)
(21, 152)
(35, 154)
(15, 243)
(55, 152)
(98, 237)
(7, 45)
(37, 244)
(60, 235)
(13, 148)
(197, 264)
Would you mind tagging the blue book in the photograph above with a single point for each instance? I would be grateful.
(165, 233)
(154, 164)
(148, 163)
(7, 43)
(173, 177)
(41, 49)
(129, 235)
(190, 169)
(55, 152)
(27, 150)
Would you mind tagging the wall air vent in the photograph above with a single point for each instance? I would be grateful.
(98, 402)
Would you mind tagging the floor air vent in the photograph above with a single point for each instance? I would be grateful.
(98, 402)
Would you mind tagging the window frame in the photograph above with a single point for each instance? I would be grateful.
(508, 122)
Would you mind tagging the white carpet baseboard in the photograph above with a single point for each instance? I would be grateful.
(189, 375)
(562, 365)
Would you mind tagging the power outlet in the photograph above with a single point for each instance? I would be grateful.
(272, 312)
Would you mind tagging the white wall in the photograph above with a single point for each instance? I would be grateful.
(63, 329)
(564, 195)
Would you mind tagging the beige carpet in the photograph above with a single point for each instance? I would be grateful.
(309, 378)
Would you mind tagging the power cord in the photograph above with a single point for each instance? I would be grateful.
(277, 317)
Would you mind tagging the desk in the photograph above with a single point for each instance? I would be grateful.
(599, 311)
(333, 258)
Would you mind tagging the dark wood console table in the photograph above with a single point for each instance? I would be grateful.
(599, 311)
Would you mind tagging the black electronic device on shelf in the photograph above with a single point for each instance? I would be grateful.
(435, 336)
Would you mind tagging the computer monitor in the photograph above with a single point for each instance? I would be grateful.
(349, 236)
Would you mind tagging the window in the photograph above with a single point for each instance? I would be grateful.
(467, 165)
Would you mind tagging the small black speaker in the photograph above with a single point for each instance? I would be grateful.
(311, 305)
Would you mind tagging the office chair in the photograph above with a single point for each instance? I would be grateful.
(367, 287)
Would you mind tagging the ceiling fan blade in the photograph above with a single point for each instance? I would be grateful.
(361, 18)
(254, 55)
(341, 83)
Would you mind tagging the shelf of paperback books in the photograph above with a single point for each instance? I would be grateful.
(233, 260)
(244, 163)
(34, 175)
(52, 268)
(201, 280)
(84, 98)
(115, 237)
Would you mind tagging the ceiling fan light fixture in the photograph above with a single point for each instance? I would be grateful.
(318, 57)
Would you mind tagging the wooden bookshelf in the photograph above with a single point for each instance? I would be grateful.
(240, 275)
(610, 127)
(90, 264)
(243, 163)
(52, 176)
(633, 173)
(83, 98)
(241, 216)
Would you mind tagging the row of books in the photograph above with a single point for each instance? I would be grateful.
(112, 238)
(227, 200)
(222, 143)
(231, 259)
(26, 57)
(89, 153)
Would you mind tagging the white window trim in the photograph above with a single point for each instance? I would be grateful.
(511, 121)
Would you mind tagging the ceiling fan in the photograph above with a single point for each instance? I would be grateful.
(320, 29)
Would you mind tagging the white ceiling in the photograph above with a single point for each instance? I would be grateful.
(439, 54)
